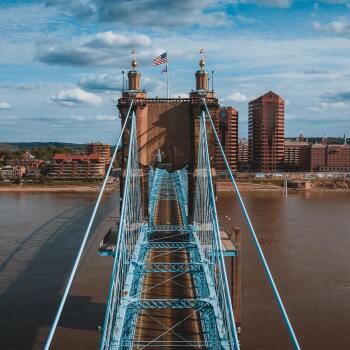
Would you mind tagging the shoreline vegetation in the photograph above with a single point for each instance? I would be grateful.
(221, 186)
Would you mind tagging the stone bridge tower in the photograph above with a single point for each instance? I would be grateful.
(168, 128)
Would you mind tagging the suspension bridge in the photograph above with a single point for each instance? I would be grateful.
(169, 287)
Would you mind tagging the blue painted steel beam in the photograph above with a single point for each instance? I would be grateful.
(169, 303)
(168, 228)
(207, 234)
(130, 235)
(170, 245)
(170, 267)
(210, 324)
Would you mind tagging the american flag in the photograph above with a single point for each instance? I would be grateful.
(163, 58)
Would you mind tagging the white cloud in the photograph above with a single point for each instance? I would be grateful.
(75, 97)
(101, 49)
(339, 27)
(283, 63)
(272, 3)
(5, 105)
(111, 39)
(342, 96)
(285, 3)
(154, 13)
(30, 86)
(245, 19)
(236, 97)
(101, 82)
(325, 106)
(150, 84)
(109, 118)
(82, 9)
(114, 83)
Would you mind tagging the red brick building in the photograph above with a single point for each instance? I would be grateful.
(296, 155)
(325, 157)
(266, 133)
(226, 124)
(77, 166)
(103, 150)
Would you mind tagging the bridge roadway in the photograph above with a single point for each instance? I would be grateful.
(168, 328)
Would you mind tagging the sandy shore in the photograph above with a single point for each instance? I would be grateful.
(246, 186)
(260, 187)
(226, 187)
(56, 188)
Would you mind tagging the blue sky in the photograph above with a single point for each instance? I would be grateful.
(61, 61)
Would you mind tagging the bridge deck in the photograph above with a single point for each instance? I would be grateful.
(168, 328)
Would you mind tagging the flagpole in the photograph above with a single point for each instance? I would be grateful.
(167, 76)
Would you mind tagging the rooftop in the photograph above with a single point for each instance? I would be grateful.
(92, 156)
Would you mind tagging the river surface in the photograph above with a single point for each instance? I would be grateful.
(306, 239)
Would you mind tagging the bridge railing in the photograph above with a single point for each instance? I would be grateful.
(131, 221)
(206, 230)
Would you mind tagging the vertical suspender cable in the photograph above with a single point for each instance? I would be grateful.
(255, 239)
(86, 235)
(117, 271)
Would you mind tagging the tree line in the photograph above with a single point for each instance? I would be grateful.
(39, 152)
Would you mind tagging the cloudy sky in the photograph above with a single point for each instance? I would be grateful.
(61, 61)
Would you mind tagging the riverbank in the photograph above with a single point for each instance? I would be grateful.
(246, 187)
(221, 186)
(278, 185)
(81, 188)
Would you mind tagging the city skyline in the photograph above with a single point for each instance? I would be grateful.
(64, 84)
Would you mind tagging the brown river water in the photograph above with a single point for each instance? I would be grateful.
(305, 237)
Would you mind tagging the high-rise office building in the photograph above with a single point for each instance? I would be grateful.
(226, 124)
(266, 132)
(242, 157)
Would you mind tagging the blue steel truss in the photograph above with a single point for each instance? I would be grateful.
(167, 228)
(206, 234)
(200, 240)
(128, 241)
(167, 186)
(202, 244)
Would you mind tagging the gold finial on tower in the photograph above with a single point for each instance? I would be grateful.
(202, 62)
(133, 62)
